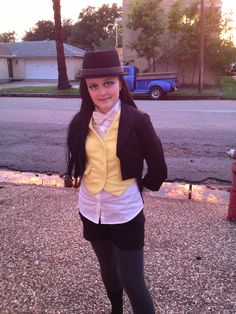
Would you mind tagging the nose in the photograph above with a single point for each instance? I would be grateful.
(101, 90)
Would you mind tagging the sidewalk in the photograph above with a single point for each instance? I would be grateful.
(22, 83)
(47, 266)
(25, 83)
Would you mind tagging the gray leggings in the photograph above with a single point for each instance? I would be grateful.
(124, 269)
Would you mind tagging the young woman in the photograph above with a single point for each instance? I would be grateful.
(108, 141)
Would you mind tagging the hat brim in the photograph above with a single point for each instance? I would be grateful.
(101, 72)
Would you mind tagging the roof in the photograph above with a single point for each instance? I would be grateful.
(46, 48)
(4, 51)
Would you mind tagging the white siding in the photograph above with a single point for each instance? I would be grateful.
(3, 69)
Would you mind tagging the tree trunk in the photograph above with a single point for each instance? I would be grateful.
(193, 73)
(154, 64)
(149, 65)
(63, 82)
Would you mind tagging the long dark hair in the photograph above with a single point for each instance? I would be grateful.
(80, 124)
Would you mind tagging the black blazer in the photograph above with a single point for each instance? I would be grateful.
(137, 141)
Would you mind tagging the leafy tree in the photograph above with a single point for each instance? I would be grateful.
(147, 18)
(184, 30)
(8, 37)
(175, 18)
(63, 82)
(45, 30)
(186, 33)
(67, 26)
(219, 50)
(95, 26)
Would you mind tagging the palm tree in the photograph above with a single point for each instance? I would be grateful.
(63, 82)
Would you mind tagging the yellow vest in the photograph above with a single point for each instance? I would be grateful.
(103, 167)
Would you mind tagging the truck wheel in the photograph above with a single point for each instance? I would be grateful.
(156, 93)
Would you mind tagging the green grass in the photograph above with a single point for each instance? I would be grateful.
(41, 89)
(209, 92)
(228, 87)
(226, 90)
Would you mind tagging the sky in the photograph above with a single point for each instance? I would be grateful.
(21, 15)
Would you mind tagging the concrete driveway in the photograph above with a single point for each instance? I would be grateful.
(12, 84)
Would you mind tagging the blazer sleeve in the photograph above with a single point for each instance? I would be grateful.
(152, 151)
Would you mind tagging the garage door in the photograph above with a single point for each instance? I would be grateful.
(41, 69)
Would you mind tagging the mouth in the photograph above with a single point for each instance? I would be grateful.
(104, 99)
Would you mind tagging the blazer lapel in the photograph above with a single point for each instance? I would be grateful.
(125, 126)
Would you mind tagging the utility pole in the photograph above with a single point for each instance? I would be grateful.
(201, 51)
(118, 21)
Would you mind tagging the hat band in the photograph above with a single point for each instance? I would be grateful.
(101, 71)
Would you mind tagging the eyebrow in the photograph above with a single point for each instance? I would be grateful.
(104, 81)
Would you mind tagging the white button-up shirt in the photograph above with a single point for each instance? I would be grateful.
(104, 207)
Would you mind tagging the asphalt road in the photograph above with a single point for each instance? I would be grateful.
(195, 135)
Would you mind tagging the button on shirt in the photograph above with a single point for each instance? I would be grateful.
(104, 207)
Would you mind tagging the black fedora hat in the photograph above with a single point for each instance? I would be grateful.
(100, 64)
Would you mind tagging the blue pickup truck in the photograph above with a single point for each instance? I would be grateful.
(156, 85)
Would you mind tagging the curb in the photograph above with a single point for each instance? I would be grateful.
(42, 95)
(170, 97)
(51, 95)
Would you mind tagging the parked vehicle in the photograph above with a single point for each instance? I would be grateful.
(232, 69)
(156, 85)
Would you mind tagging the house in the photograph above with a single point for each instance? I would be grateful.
(37, 60)
(187, 73)
(5, 56)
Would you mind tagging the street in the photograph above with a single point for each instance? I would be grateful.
(195, 135)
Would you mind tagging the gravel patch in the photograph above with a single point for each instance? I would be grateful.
(47, 267)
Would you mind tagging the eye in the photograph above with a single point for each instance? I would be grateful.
(92, 86)
(109, 83)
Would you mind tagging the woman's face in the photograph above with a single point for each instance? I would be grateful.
(104, 91)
